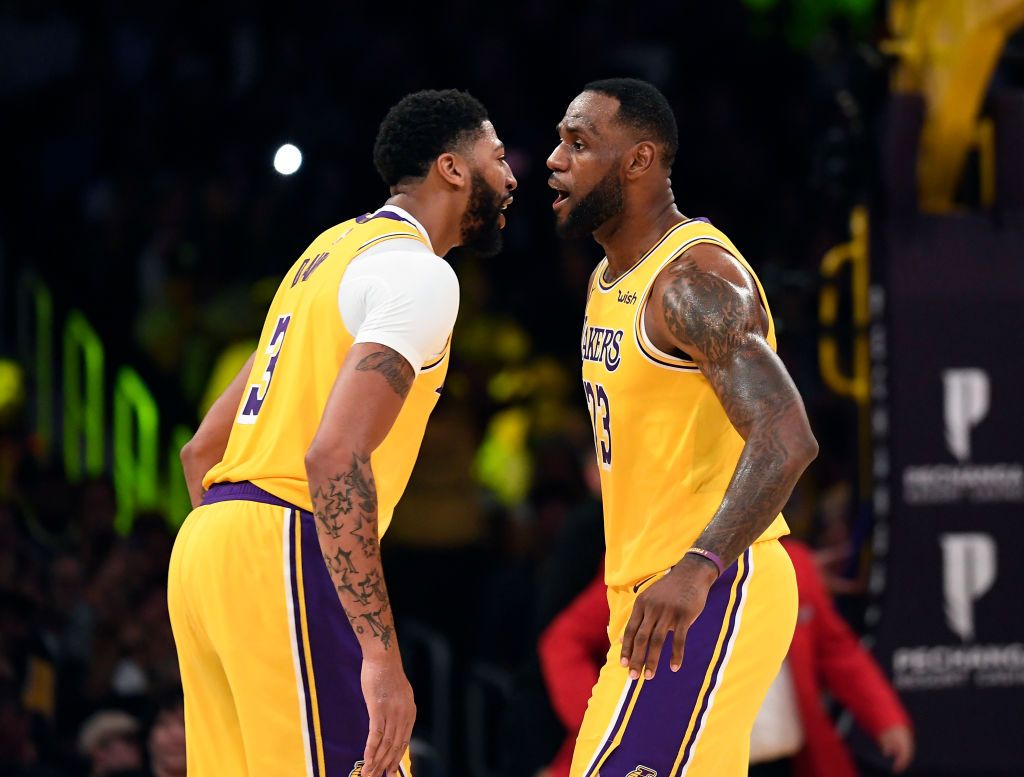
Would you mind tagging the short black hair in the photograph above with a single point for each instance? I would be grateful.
(644, 108)
(422, 126)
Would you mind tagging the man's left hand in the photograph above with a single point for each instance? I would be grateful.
(671, 604)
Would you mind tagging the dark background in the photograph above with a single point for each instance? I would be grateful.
(137, 183)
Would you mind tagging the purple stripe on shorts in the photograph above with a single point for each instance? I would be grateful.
(337, 660)
(721, 660)
(226, 492)
(655, 731)
(614, 729)
(307, 698)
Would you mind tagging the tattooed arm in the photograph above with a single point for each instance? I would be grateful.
(367, 396)
(364, 403)
(712, 311)
(707, 305)
(208, 444)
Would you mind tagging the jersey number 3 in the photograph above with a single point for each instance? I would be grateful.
(257, 393)
(601, 414)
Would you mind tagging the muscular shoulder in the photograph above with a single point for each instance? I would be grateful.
(705, 302)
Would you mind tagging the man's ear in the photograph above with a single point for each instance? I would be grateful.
(641, 158)
(453, 169)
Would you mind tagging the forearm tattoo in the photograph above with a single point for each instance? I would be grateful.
(393, 366)
(345, 509)
(722, 322)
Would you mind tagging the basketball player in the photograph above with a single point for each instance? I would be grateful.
(291, 665)
(700, 436)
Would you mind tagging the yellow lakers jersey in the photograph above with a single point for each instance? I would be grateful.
(303, 344)
(665, 446)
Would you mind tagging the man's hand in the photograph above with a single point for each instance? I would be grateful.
(367, 397)
(670, 605)
(897, 743)
(392, 711)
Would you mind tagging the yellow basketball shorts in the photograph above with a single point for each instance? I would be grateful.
(269, 663)
(695, 722)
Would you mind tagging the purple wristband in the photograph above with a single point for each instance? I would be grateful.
(712, 557)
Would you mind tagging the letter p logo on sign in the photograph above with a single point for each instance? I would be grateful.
(966, 404)
(968, 572)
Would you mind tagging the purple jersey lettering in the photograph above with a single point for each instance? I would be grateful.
(308, 266)
(601, 416)
(257, 394)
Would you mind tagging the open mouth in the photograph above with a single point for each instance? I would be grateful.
(501, 214)
(561, 194)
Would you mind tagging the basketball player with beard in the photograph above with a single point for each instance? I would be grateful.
(286, 640)
(700, 435)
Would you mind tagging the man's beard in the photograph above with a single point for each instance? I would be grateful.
(602, 203)
(479, 229)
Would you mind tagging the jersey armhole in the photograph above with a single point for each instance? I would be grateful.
(651, 352)
(434, 362)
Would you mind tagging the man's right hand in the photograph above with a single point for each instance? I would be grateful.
(897, 743)
(392, 711)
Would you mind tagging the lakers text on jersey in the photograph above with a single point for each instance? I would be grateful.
(667, 453)
(665, 446)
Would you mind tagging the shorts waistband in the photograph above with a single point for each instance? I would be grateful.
(249, 492)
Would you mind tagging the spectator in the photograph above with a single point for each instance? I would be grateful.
(17, 750)
(167, 738)
(110, 740)
(572, 649)
(23, 655)
(825, 656)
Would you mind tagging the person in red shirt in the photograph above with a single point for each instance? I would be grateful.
(571, 650)
(824, 655)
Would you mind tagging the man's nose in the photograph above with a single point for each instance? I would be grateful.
(556, 161)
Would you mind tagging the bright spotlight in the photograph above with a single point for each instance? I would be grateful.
(288, 159)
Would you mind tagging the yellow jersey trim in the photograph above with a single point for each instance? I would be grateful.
(389, 236)
(440, 358)
(644, 343)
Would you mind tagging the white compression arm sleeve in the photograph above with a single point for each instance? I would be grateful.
(403, 296)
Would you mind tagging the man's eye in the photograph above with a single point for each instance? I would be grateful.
(577, 145)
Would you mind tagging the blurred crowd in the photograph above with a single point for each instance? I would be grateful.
(88, 672)
(143, 189)
(142, 193)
